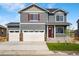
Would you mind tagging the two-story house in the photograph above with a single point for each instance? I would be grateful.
(78, 24)
(38, 24)
(76, 32)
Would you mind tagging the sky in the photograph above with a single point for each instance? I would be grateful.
(9, 11)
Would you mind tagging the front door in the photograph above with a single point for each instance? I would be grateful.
(50, 31)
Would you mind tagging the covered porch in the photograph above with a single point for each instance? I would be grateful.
(56, 33)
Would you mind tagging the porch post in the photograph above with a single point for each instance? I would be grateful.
(21, 36)
(47, 32)
(21, 33)
(54, 31)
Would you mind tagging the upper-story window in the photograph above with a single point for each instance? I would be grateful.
(59, 18)
(33, 17)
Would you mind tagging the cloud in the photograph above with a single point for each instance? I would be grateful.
(12, 6)
(6, 19)
(51, 5)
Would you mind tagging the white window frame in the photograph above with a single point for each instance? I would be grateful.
(63, 30)
(59, 21)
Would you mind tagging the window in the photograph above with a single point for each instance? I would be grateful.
(36, 31)
(1, 32)
(33, 17)
(30, 31)
(11, 31)
(25, 31)
(59, 18)
(17, 31)
(41, 31)
(59, 29)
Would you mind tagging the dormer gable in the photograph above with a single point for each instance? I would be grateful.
(33, 8)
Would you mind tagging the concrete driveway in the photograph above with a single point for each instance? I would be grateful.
(24, 48)
(29, 45)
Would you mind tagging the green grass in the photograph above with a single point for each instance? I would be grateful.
(63, 46)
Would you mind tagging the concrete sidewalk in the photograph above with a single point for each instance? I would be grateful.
(24, 53)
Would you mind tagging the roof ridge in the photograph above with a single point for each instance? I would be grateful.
(32, 5)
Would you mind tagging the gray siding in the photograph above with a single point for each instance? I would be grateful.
(32, 26)
(52, 17)
(44, 17)
(24, 18)
(60, 35)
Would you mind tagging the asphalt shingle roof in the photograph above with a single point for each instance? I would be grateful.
(51, 10)
(13, 24)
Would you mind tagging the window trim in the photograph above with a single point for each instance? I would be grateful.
(14, 31)
(31, 20)
(11, 31)
(59, 21)
(60, 33)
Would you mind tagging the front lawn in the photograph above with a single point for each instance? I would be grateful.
(63, 46)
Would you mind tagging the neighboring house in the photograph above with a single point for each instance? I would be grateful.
(3, 31)
(78, 24)
(38, 24)
(77, 31)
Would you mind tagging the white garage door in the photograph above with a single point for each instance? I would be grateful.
(14, 36)
(33, 36)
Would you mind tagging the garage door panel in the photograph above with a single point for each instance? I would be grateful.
(33, 36)
(13, 36)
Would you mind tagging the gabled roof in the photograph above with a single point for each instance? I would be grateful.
(32, 6)
(54, 10)
(51, 10)
(1, 26)
(13, 24)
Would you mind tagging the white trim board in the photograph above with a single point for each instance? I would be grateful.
(33, 30)
(35, 11)
(32, 23)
